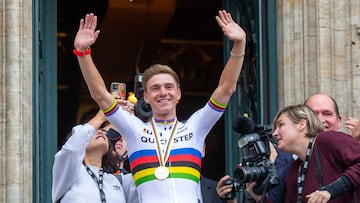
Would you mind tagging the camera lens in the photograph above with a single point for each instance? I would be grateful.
(247, 174)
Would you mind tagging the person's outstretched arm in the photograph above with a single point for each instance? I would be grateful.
(85, 37)
(231, 72)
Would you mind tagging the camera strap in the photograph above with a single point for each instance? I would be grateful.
(318, 166)
(319, 173)
(302, 171)
(98, 181)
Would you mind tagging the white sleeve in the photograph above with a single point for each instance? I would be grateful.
(69, 159)
(203, 120)
(131, 194)
(127, 124)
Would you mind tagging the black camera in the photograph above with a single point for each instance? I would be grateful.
(255, 166)
(142, 109)
(235, 188)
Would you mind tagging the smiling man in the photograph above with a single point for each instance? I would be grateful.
(326, 109)
(164, 153)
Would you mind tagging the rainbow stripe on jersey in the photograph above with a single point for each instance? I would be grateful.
(217, 106)
(183, 163)
(211, 102)
(112, 108)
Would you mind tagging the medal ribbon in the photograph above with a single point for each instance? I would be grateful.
(163, 159)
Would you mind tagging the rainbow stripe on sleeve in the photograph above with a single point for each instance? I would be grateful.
(216, 105)
(112, 108)
(182, 163)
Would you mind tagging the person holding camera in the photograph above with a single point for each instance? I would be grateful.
(327, 110)
(328, 166)
(328, 161)
(164, 153)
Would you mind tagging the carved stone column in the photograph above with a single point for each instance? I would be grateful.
(319, 51)
(16, 101)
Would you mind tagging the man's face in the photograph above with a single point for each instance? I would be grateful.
(162, 94)
(324, 107)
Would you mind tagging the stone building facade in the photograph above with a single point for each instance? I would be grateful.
(16, 101)
(319, 51)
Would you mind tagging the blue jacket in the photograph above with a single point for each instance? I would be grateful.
(282, 164)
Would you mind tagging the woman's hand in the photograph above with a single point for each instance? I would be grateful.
(319, 197)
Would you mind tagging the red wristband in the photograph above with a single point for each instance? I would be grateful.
(80, 53)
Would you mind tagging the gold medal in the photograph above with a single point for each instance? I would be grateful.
(161, 172)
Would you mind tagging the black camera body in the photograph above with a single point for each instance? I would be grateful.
(142, 109)
(235, 188)
(255, 166)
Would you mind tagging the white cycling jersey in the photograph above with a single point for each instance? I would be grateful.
(185, 153)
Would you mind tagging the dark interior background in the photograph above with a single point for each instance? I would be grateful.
(135, 34)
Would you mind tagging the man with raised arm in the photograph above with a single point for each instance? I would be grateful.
(164, 153)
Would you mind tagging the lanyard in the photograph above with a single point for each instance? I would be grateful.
(99, 182)
(163, 157)
(302, 171)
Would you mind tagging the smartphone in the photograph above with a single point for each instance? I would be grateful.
(118, 90)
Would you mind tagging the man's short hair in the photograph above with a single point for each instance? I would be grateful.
(158, 69)
(336, 107)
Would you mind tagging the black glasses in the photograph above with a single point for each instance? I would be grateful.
(113, 135)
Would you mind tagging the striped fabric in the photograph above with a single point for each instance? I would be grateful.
(183, 163)
(216, 105)
(112, 108)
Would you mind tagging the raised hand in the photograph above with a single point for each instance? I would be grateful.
(86, 35)
(231, 29)
(354, 125)
(126, 105)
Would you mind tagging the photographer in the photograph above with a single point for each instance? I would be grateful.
(326, 169)
(258, 156)
(329, 161)
(326, 108)
(282, 163)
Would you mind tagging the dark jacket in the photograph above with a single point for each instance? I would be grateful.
(339, 155)
(208, 191)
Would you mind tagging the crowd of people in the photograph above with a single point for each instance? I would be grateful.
(337, 153)
(315, 162)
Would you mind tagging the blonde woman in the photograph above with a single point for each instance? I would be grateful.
(328, 164)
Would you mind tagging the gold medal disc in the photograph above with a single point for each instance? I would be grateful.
(161, 172)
